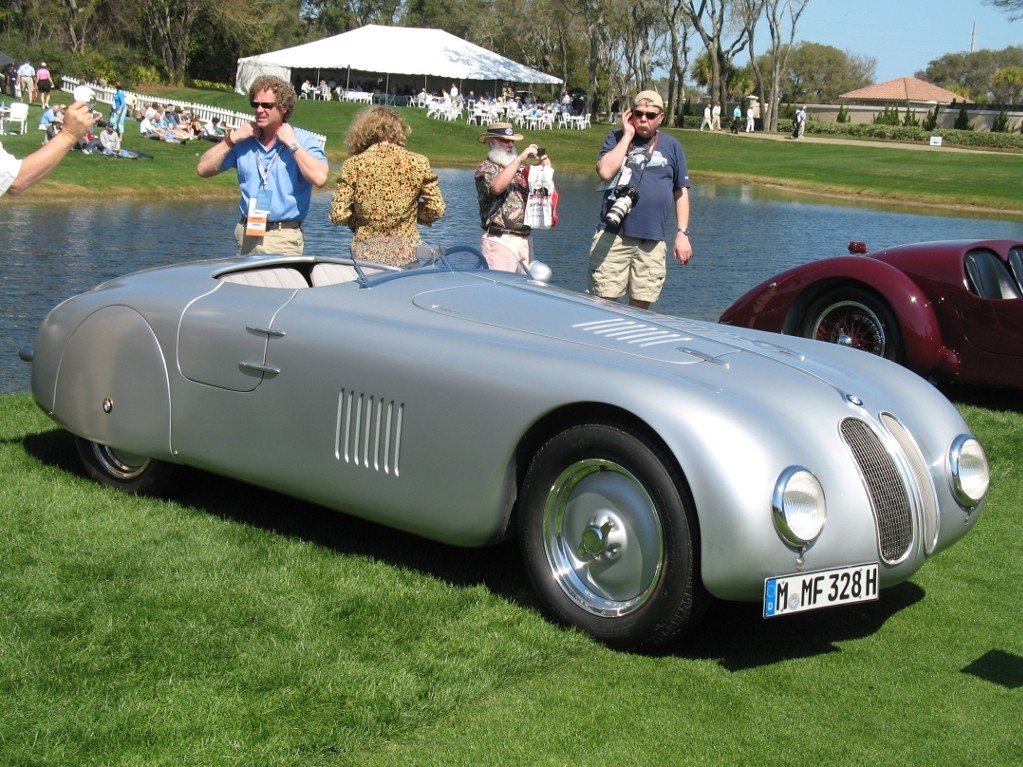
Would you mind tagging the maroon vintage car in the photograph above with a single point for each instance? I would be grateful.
(949, 310)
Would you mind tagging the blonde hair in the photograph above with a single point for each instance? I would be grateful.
(374, 125)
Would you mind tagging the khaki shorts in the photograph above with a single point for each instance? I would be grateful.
(287, 241)
(618, 263)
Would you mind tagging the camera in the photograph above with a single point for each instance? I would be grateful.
(541, 151)
(625, 198)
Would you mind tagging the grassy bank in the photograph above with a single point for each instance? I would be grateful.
(876, 171)
(230, 626)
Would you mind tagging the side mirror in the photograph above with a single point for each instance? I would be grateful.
(540, 272)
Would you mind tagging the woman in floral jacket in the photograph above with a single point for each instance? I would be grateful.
(383, 190)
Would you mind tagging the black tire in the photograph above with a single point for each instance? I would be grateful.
(856, 318)
(607, 532)
(124, 471)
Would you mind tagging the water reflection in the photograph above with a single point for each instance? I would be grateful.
(741, 234)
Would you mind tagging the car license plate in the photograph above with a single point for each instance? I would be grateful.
(810, 591)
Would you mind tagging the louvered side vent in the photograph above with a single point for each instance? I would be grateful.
(892, 507)
(928, 501)
(369, 431)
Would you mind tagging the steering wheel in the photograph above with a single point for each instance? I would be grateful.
(480, 261)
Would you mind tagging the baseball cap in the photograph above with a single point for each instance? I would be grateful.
(651, 97)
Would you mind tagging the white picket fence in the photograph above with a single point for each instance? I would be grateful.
(229, 119)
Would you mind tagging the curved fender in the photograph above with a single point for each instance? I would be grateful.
(778, 304)
(112, 385)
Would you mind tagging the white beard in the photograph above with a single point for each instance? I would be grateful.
(502, 156)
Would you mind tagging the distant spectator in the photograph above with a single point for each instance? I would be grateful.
(119, 109)
(707, 121)
(110, 145)
(213, 131)
(48, 117)
(27, 81)
(44, 84)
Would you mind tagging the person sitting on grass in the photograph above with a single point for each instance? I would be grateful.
(110, 145)
(213, 131)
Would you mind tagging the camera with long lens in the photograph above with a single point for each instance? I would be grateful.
(625, 198)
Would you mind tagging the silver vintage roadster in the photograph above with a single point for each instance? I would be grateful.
(646, 463)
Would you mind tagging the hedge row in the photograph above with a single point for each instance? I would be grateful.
(910, 135)
(906, 134)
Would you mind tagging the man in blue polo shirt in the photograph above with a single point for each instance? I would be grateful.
(278, 166)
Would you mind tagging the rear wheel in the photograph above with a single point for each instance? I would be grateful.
(607, 535)
(123, 470)
(855, 318)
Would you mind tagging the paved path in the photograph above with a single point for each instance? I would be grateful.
(808, 139)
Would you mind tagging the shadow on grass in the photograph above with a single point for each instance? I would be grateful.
(739, 638)
(734, 634)
(983, 396)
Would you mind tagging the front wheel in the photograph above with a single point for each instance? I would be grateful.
(855, 318)
(122, 470)
(607, 533)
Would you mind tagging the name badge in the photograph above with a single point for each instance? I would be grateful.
(259, 214)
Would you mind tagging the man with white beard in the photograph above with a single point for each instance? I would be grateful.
(502, 189)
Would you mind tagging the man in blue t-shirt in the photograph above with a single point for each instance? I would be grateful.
(629, 250)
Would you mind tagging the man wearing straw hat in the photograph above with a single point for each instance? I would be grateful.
(502, 189)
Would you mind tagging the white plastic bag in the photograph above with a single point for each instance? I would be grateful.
(542, 203)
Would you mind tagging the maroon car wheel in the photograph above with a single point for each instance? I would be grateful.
(855, 318)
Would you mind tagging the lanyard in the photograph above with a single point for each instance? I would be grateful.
(264, 173)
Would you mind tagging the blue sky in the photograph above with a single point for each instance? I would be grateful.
(903, 36)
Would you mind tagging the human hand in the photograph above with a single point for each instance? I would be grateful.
(78, 119)
(286, 134)
(242, 132)
(627, 124)
(683, 249)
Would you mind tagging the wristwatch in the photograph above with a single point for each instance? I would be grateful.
(294, 146)
(684, 230)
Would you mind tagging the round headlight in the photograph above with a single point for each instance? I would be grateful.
(798, 507)
(969, 472)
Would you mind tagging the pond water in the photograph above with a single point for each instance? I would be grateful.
(740, 234)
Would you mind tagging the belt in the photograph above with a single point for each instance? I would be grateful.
(273, 226)
(498, 231)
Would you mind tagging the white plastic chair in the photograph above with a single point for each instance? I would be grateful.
(18, 114)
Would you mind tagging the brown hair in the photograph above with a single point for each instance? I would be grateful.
(374, 125)
(282, 90)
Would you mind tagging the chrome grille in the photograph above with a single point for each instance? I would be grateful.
(888, 498)
(917, 465)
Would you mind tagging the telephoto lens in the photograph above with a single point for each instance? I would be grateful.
(626, 198)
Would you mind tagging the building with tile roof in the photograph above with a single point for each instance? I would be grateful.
(904, 91)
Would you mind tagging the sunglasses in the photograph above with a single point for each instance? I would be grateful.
(648, 115)
(267, 105)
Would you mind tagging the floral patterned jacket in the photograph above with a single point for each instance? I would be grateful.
(381, 195)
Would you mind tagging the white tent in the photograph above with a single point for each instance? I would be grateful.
(390, 51)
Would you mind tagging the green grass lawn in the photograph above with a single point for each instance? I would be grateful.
(969, 180)
(231, 626)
